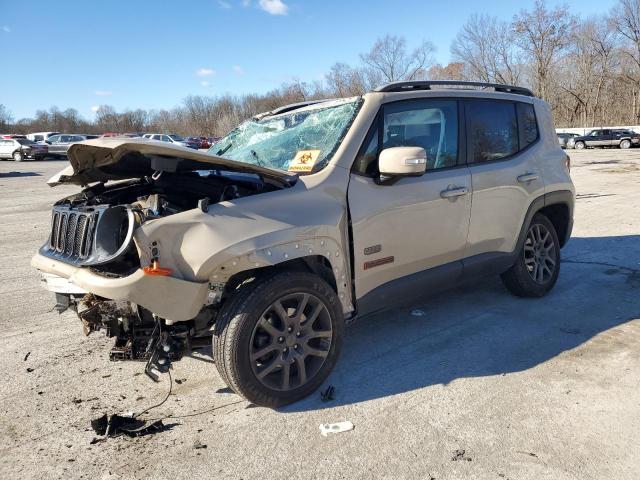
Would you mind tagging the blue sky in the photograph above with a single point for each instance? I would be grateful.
(152, 54)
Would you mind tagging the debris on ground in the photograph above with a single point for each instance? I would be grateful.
(197, 445)
(418, 313)
(30, 369)
(128, 425)
(460, 455)
(327, 394)
(180, 381)
(531, 454)
(27, 356)
(339, 427)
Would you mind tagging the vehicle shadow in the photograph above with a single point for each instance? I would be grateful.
(481, 330)
(19, 174)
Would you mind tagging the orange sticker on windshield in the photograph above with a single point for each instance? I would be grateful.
(304, 161)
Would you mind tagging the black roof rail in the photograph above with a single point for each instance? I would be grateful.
(427, 84)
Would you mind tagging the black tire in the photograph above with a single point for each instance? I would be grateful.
(579, 146)
(235, 336)
(519, 279)
(17, 156)
(625, 143)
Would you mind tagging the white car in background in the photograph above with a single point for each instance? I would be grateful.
(172, 138)
(20, 148)
(40, 137)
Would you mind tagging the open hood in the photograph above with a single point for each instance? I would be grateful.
(106, 159)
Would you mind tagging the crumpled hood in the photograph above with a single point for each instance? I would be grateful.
(106, 159)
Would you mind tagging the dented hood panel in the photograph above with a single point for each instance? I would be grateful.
(106, 159)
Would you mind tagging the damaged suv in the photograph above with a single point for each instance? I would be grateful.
(304, 218)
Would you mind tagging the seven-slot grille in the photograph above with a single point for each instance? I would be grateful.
(72, 233)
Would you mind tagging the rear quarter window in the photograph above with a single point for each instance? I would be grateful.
(528, 125)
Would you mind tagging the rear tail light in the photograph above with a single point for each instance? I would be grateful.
(568, 162)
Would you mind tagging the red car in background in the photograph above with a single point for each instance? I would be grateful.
(203, 142)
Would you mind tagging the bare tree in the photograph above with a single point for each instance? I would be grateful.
(544, 35)
(452, 71)
(485, 45)
(5, 118)
(389, 60)
(626, 19)
(345, 81)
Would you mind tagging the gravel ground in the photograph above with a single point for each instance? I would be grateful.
(472, 384)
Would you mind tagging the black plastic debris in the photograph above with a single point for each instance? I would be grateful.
(460, 455)
(197, 445)
(27, 356)
(30, 369)
(117, 425)
(327, 394)
(100, 424)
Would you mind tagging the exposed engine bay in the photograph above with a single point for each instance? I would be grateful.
(94, 229)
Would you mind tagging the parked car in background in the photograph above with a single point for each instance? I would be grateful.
(20, 148)
(171, 138)
(12, 135)
(607, 138)
(203, 142)
(40, 137)
(114, 134)
(565, 139)
(59, 144)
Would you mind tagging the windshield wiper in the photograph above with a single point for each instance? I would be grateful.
(255, 155)
(224, 150)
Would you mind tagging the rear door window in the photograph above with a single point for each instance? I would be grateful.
(492, 130)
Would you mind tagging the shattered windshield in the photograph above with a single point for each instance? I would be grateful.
(300, 141)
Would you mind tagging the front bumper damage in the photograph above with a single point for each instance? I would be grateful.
(155, 293)
(140, 311)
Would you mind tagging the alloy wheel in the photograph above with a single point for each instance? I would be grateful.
(540, 253)
(291, 341)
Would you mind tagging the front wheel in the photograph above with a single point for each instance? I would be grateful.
(536, 269)
(17, 156)
(278, 337)
(625, 144)
(579, 146)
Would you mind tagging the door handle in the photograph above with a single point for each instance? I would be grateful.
(528, 177)
(454, 192)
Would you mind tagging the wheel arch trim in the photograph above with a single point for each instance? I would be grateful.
(279, 254)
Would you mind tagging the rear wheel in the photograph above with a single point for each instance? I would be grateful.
(17, 156)
(625, 144)
(279, 337)
(579, 146)
(538, 265)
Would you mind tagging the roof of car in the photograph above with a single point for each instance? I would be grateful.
(413, 85)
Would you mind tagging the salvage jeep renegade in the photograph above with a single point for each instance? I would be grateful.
(303, 218)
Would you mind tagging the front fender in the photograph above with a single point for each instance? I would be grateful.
(258, 232)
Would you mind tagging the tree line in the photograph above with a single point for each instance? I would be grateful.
(588, 69)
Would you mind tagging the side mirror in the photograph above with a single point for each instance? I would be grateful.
(402, 162)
